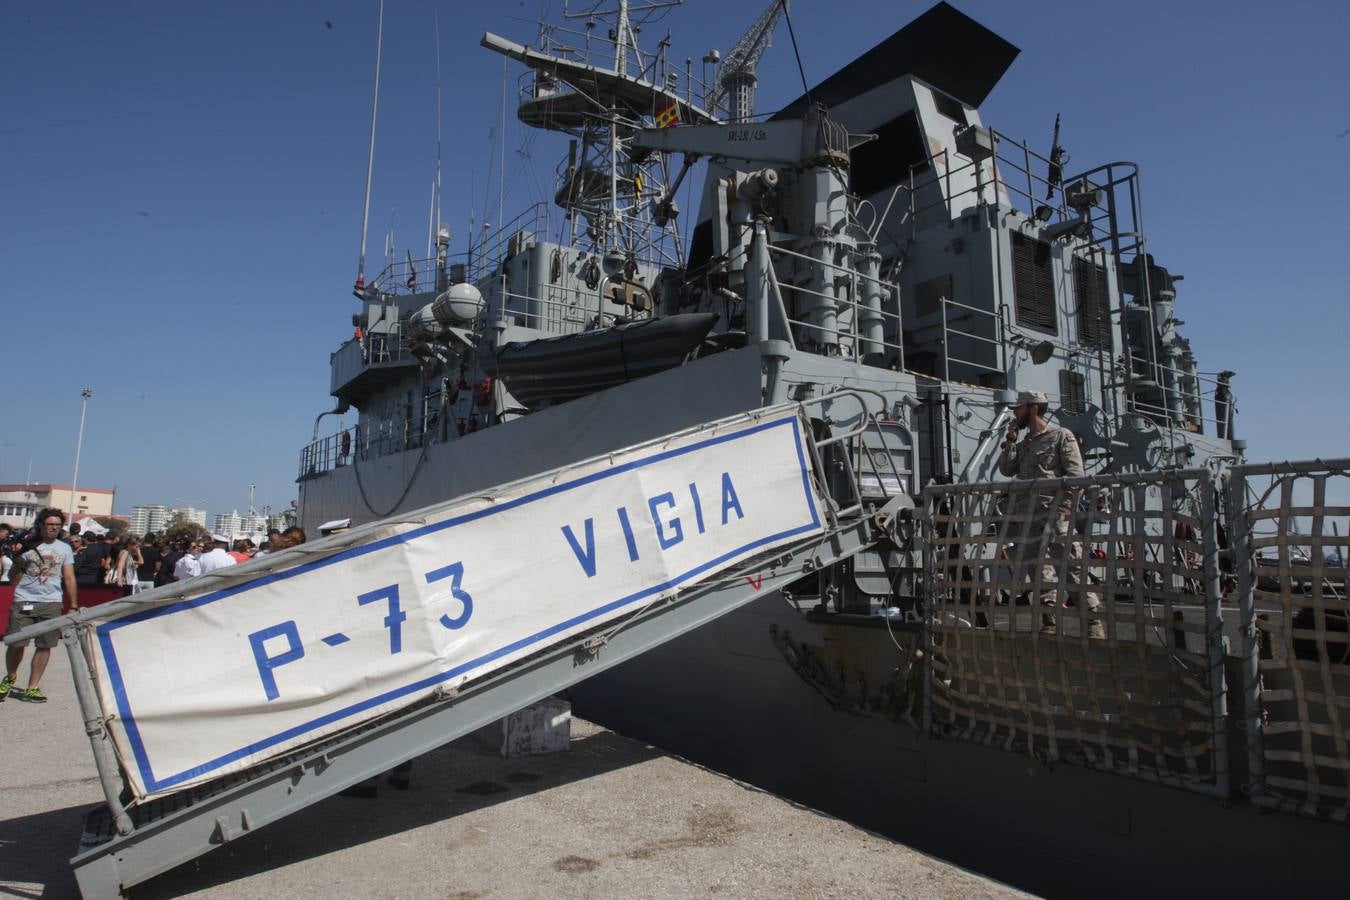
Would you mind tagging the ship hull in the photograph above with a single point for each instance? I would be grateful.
(724, 697)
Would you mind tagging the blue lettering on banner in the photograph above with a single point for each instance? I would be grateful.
(729, 499)
(266, 664)
(585, 557)
(628, 534)
(698, 506)
(455, 572)
(669, 531)
(676, 532)
(394, 620)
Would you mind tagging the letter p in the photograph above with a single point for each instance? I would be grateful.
(266, 664)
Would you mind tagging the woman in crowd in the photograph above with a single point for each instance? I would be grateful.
(129, 561)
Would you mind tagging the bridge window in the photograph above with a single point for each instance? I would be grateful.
(887, 161)
(950, 107)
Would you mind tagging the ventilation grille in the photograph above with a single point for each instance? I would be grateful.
(1033, 285)
(1094, 308)
(1072, 393)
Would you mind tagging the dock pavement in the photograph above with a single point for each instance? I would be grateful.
(609, 817)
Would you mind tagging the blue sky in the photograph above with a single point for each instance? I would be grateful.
(182, 187)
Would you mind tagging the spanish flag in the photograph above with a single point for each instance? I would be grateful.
(669, 115)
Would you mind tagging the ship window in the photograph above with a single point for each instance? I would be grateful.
(1072, 393)
(888, 160)
(950, 107)
(930, 293)
(1033, 284)
(1094, 308)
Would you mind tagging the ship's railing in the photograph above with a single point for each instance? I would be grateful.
(484, 257)
(407, 276)
(1296, 618)
(370, 440)
(1079, 620)
(1209, 393)
(850, 310)
(996, 340)
(562, 310)
(488, 253)
(1116, 223)
(1013, 171)
(386, 346)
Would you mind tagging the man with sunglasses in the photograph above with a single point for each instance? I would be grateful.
(190, 565)
(42, 572)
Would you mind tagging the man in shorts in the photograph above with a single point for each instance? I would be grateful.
(42, 571)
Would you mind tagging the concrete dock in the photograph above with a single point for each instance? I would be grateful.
(609, 817)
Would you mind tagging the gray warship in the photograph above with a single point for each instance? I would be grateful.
(1156, 703)
(877, 242)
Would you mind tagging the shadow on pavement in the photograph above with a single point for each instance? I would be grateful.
(35, 853)
(459, 778)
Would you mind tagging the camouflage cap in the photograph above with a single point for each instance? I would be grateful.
(1031, 397)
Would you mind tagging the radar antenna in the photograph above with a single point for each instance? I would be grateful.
(736, 84)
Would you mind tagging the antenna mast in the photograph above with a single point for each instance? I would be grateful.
(370, 158)
(435, 215)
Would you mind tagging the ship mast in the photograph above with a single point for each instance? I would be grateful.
(370, 158)
(593, 83)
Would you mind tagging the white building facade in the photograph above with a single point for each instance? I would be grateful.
(19, 503)
(150, 519)
(232, 525)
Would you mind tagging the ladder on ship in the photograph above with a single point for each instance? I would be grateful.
(125, 844)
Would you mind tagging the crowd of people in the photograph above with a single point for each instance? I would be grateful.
(135, 563)
(48, 564)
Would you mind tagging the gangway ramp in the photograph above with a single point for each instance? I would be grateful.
(228, 702)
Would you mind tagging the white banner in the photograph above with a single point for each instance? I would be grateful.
(215, 683)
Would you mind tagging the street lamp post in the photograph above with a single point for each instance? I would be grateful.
(79, 442)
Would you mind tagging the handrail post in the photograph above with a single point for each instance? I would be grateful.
(109, 775)
(1214, 639)
(1240, 549)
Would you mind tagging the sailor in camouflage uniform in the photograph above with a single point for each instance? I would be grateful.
(1047, 451)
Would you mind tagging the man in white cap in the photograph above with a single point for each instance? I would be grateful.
(1047, 451)
(217, 557)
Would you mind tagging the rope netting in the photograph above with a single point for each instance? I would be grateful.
(1078, 621)
(1296, 519)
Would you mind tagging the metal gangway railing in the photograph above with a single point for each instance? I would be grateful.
(169, 799)
(1189, 627)
(1296, 632)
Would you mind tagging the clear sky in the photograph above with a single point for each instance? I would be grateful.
(182, 185)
